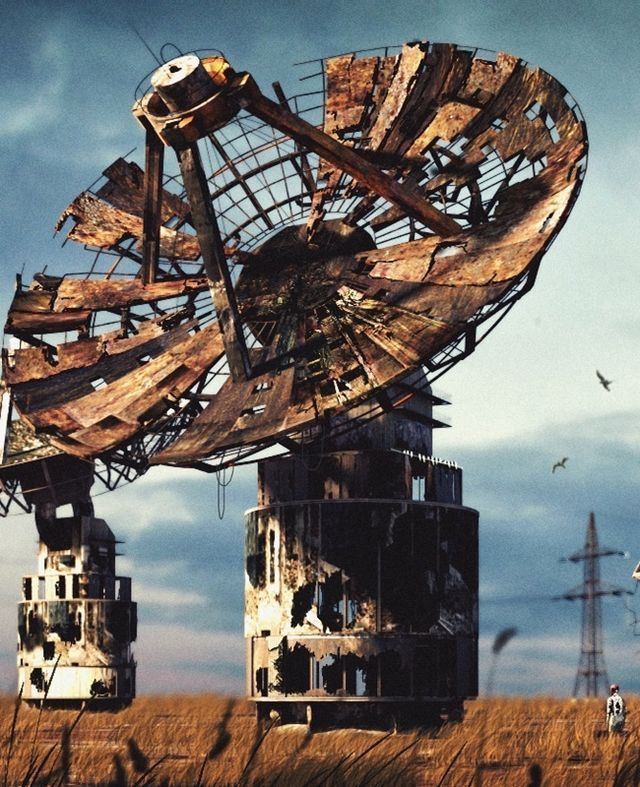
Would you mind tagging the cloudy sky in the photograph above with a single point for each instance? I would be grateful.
(527, 397)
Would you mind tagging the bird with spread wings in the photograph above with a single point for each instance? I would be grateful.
(603, 381)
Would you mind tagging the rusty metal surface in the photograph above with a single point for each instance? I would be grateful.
(350, 82)
(25, 446)
(68, 303)
(341, 289)
(241, 413)
(37, 363)
(124, 189)
(86, 420)
(96, 295)
(100, 224)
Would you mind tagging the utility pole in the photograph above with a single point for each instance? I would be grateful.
(591, 678)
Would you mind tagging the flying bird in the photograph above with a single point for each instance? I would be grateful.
(561, 463)
(603, 381)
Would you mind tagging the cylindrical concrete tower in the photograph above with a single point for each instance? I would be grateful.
(76, 620)
(362, 579)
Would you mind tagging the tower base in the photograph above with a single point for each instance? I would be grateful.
(388, 713)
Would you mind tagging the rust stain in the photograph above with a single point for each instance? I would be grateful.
(88, 421)
(335, 318)
(124, 189)
(100, 224)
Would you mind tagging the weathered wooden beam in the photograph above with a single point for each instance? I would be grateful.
(349, 160)
(213, 257)
(98, 223)
(124, 189)
(303, 168)
(154, 161)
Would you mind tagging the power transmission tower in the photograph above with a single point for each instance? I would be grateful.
(592, 673)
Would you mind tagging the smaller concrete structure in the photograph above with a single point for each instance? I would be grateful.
(76, 620)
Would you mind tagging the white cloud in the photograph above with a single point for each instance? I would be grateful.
(154, 595)
(132, 509)
(31, 108)
(158, 570)
(541, 664)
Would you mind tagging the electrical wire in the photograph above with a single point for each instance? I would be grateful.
(222, 483)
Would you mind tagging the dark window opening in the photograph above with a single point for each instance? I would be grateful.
(292, 669)
(330, 674)
(355, 674)
(262, 681)
(434, 669)
(395, 678)
(331, 602)
(272, 556)
(49, 650)
(61, 587)
(37, 679)
(62, 621)
(302, 600)
(119, 622)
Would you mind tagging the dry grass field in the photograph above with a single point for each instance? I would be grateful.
(183, 740)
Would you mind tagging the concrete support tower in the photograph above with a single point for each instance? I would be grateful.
(361, 581)
(76, 620)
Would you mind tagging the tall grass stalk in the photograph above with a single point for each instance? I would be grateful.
(144, 780)
(65, 745)
(42, 703)
(450, 765)
(254, 751)
(36, 768)
(377, 769)
(566, 740)
(367, 750)
(324, 773)
(12, 734)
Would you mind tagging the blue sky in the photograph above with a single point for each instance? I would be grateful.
(527, 397)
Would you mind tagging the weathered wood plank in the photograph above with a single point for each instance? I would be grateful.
(100, 224)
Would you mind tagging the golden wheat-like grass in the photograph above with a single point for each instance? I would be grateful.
(212, 740)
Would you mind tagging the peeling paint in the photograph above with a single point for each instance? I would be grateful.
(76, 616)
(372, 594)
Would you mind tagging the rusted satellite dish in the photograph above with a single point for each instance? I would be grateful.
(309, 252)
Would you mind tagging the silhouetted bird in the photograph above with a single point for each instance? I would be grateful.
(603, 381)
(561, 463)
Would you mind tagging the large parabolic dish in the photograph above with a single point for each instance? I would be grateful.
(306, 253)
